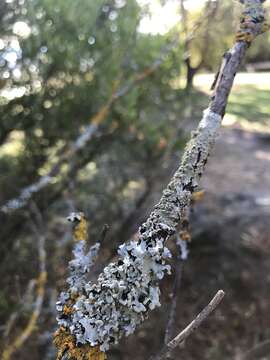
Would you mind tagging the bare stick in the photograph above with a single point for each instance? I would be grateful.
(260, 350)
(182, 238)
(203, 315)
(181, 257)
(17, 343)
(172, 315)
(25, 300)
(183, 335)
(104, 232)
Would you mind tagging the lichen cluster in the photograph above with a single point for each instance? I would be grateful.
(100, 314)
(120, 300)
(253, 21)
(67, 347)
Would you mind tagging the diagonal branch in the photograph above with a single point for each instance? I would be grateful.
(181, 257)
(260, 350)
(200, 318)
(89, 132)
(21, 338)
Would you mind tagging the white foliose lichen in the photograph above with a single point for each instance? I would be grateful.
(120, 300)
(80, 265)
(183, 247)
(210, 119)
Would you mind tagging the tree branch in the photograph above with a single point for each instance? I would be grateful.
(39, 231)
(176, 287)
(260, 350)
(89, 132)
(200, 318)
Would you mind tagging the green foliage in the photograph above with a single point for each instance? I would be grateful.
(217, 33)
(68, 66)
(248, 112)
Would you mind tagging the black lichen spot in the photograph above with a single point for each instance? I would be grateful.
(205, 161)
(131, 255)
(63, 317)
(198, 160)
(142, 229)
(94, 292)
(189, 186)
(141, 298)
(163, 233)
(185, 223)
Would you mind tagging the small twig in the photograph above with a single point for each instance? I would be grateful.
(181, 257)
(38, 229)
(260, 350)
(21, 306)
(183, 335)
(203, 315)
(176, 287)
(104, 232)
(183, 236)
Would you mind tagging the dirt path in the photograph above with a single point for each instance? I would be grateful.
(240, 164)
(231, 247)
(237, 189)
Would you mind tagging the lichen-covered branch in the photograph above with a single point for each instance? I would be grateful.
(79, 267)
(128, 289)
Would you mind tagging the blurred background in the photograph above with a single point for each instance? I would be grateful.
(97, 100)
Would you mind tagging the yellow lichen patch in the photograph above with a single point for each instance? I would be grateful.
(103, 112)
(244, 36)
(66, 345)
(185, 235)
(80, 231)
(144, 74)
(247, 31)
(100, 116)
(41, 281)
(68, 310)
(198, 196)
